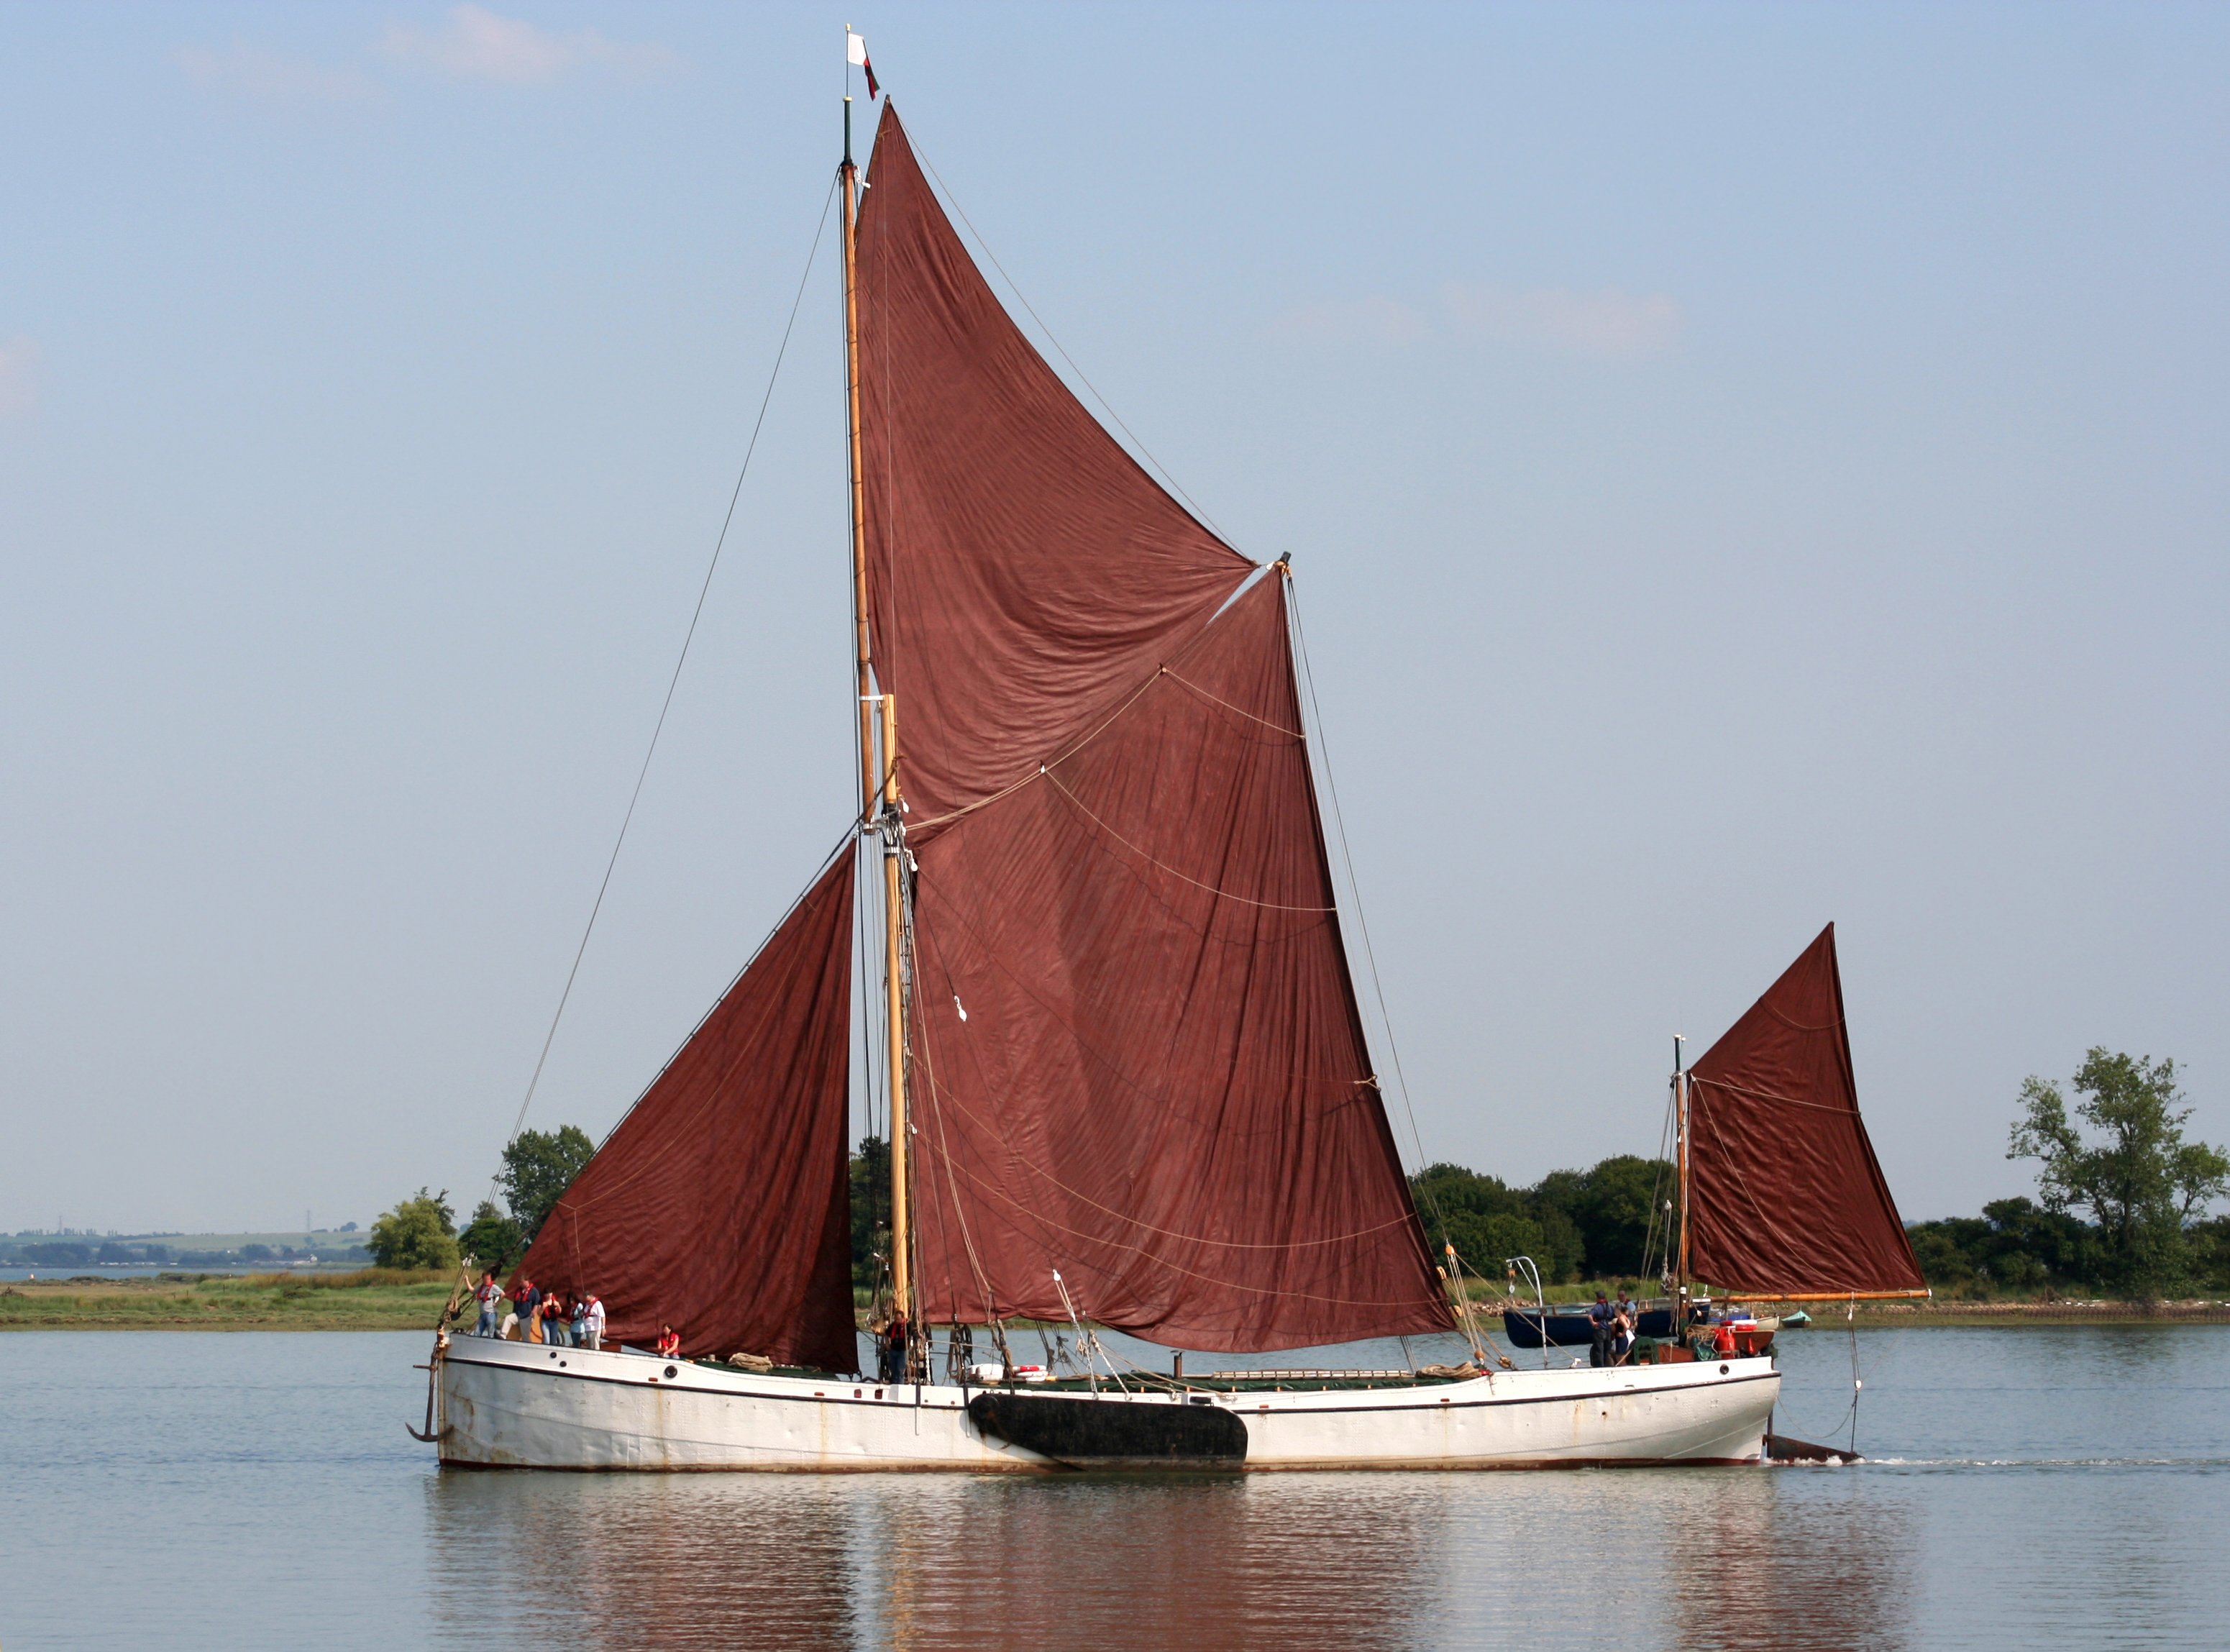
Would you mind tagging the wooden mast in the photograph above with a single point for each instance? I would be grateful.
(879, 792)
(847, 177)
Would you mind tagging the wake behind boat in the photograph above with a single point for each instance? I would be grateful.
(1127, 1076)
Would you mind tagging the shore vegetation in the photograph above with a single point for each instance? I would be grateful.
(370, 1298)
(419, 1233)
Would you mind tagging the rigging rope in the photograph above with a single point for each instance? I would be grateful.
(1220, 894)
(1656, 1190)
(674, 681)
(1770, 1095)
(1322, 748)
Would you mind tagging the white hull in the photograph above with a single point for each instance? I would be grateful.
(509, 1404)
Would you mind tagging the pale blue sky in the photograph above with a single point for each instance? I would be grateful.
(1744, 467)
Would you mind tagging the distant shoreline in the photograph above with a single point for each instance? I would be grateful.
(367, 1300)
(388, 1299)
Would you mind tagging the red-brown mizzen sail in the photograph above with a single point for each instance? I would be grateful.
(721, 1204)
(1785, 1196)
(1135, 1053)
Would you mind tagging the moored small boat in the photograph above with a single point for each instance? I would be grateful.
(1573, 1326)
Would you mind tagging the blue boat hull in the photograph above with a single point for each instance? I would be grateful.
(1575, 1329)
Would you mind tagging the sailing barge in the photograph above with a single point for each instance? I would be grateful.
(1126, 1077)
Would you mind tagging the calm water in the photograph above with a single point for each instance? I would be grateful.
(2063, 1486)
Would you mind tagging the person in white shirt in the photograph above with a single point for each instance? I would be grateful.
(595, 1321)
(489, 1295)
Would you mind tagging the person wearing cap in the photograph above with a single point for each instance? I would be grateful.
(1603, 1322)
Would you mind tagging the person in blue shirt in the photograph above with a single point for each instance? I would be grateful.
(1605, 1321)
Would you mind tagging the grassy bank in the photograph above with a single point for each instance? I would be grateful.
(373, 1298)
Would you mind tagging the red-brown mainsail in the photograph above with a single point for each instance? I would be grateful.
(1785, 1197)
(1135, 1053)
(721, 1204)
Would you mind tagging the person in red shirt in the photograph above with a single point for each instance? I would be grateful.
(669, 1342)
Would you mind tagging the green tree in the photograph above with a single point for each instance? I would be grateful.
(2210, 1252)
(1609, 1208)
(871, 1209)
(538, 1167)
(2142, 1184)
(1488, 1220)
(491, 1239)
(419, 1232)
(2013, 1246)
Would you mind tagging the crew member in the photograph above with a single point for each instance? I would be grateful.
(893, 1351)
(489, 1295)
(1603, 1322)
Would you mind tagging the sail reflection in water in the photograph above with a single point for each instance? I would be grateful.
(1669, 1558)
(646, 1561)
(1789, 1557)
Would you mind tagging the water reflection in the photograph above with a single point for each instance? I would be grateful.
(1796, 1557)
(631, 1561)
(244, 1492)
(1696, 1559)
(926, 1562)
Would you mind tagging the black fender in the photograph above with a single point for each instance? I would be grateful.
(1084, 1431)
